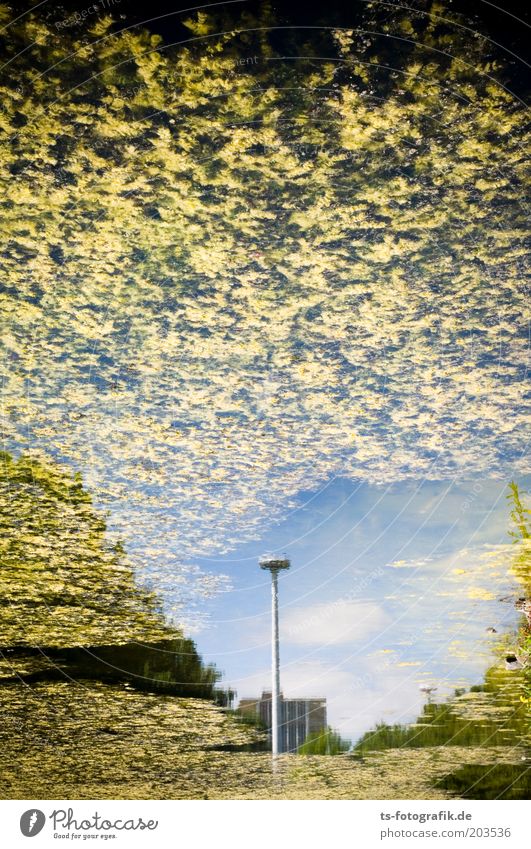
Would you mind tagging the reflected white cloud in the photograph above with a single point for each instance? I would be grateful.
(334, 622)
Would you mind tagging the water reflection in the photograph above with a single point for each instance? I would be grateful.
(168, 666)
(307, 291)
(91, 713)
(93, 740)
(492, 714)
(485, 781)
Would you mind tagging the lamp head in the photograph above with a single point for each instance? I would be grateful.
(273, 562)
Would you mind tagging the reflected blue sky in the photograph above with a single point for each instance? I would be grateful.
(390, 588)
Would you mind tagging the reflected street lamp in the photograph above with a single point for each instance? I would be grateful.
(428, 689)
(274, 565)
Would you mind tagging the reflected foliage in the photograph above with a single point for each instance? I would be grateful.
(270, 270)
(61, 582)
(498, 781)
(494, 716)
(519, 514)
(521, 569)
(169, 666)
(71, 607)
(224, 282)
(489, 719)
(327, 742)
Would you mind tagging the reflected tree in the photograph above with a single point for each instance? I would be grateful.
(521, 568)
(327, 742)
(70, 603)
(61, 582)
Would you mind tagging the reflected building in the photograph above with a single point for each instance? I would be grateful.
(298, 717)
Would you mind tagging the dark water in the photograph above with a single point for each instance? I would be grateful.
(484, 781)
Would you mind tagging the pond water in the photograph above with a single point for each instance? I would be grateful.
(399, 609)
(284, 313)
(391, 589)
(83, 740)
